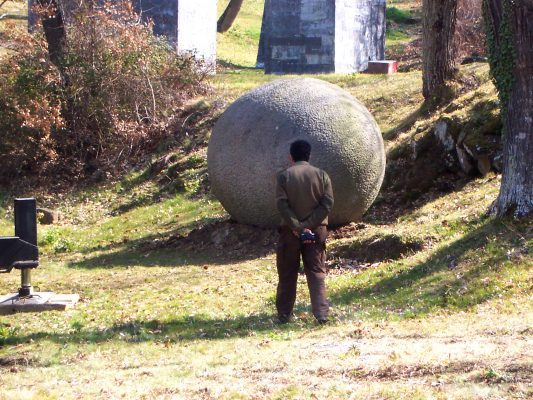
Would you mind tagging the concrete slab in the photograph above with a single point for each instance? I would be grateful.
(41, 301)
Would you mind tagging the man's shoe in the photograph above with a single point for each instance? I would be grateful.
(284, 318)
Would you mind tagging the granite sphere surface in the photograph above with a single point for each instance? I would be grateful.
(251, 140)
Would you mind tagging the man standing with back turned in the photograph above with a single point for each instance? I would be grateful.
(304, 198)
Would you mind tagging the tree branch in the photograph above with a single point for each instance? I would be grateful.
(227, 19)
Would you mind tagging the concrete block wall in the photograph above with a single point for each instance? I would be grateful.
(320, 36)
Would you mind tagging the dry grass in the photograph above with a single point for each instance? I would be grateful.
(438, 358)
(12, 12)
(391, 99)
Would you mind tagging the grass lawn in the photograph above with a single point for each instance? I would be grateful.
(451, 319)
(175, 324)
(238, 46)
(12, 14)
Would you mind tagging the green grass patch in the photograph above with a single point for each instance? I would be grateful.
(174, 215)
(399, 16)
(397, 36)
(464, 272)
(238, 47)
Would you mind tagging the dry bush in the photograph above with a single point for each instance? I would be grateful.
(107, 101)
(470, 34)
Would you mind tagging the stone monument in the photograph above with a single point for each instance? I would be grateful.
(250, 144)
(320, 36)
(189, 25)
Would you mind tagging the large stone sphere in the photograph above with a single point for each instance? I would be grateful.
(251, 140)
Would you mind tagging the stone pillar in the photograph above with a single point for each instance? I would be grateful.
(359, 34)
(197, 30)
(261, 53)
(319, 36)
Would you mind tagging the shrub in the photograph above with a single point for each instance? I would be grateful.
(104, 103)
(469, 34)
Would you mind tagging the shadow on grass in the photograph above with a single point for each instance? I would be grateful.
(6, 17)
(393, 203)
(175, 184)
(229, 65)
(410, 293)
(125, 257)
(405, 124)
(171, 249)
(187, 328)
(168, 257)
(445, 280)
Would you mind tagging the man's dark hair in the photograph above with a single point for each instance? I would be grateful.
(300, 150)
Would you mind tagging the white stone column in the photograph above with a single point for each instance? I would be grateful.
(197, 30)
(359, 34)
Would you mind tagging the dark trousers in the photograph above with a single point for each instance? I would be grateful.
(288, 262)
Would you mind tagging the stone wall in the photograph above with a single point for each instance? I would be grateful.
(317, 36)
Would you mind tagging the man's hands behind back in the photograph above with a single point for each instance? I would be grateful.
(307, 236)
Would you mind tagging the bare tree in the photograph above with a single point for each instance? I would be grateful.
(510, 41)
(438, 52)
(227, 19)
(469, 32)
(54, 29)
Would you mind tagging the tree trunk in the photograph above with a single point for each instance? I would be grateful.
(228, 17)
(54, 30)
(516, 191)
(438, 50)
(52, 19)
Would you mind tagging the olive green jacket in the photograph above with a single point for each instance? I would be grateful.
(304, 196)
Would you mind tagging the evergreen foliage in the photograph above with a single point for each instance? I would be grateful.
(501, 52)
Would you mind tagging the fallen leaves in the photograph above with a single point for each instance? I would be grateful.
(339, 266)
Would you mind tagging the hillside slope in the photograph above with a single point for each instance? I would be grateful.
(431, 296)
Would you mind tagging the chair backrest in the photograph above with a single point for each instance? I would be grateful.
(16, 253)
(21, 251)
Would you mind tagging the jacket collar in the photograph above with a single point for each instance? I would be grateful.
(301, 163)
